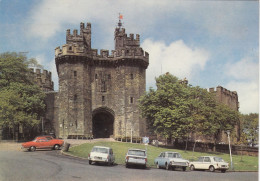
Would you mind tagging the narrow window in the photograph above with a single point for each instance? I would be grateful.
(95, 76)
(75, 73)
(103, 98)
(75, 97)
(109, 76)
(132, 76)
(131, 100)
(70, 48)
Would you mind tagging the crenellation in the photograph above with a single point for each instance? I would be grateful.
(42, 78)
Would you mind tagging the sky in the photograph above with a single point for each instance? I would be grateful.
(211, 43)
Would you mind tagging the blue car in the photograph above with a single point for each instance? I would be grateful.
(171, 160)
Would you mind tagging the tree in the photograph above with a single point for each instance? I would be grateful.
(21, 100)
(176, 110)
(250, 127)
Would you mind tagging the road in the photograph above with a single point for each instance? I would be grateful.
(51, 165)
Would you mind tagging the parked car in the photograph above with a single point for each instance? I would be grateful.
(101, 154)
(43, 142)
(136, 157)
(171, 160)
(210, 163)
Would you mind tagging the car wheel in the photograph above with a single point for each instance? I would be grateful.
(192, 168)
(211, 168)
(167, 166)
(144, 167)
(90, 162)
(126, 165)
(56, 147)
(157, 165)
(32, 148)
(223, 171)
(184, 169)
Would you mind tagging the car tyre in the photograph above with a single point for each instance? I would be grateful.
(223, 171)
(32, 148)
(144, 167)
(211, 168)
(90, 162)
(126, 166)
(56, 147)
(192, 168)
(184, 169)
(167, 166)
(157, 165)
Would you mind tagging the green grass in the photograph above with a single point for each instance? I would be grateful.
(248, 163)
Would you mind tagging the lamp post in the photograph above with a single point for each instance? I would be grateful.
(231, 163)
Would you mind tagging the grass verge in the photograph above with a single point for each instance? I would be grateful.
(244, 163)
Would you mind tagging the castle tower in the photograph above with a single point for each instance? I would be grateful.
(98, 93)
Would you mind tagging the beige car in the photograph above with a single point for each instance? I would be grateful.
(101, 154)
(210, 163)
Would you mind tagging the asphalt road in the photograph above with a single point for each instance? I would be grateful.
(51, 165)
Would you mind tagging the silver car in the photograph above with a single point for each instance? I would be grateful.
(101, 154)
(136, 157)
(171, 160)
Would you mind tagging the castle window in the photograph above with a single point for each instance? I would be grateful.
(131, 100)
(109, 76)
(103, 98)
(95, 76)
(132, 76)
(70, 48)
(75, 73)
(75, 97)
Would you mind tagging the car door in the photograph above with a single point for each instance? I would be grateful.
(206, 163)
(199, 163)
(45, 143)
(160, 159)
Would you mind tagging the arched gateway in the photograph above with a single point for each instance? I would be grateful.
(103, 122)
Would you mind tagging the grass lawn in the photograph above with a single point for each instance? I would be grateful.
(248, 163)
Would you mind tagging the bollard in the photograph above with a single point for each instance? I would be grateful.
(66, 147)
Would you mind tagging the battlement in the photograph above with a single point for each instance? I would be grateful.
(83, 39)
(77, 50)
(227, 97)
(43, 79)
(124, 41)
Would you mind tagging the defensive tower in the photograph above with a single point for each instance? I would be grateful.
(98, 93)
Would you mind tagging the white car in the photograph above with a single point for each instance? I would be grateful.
(171, 160)
(101, 154)
(210, 163)
(136, 157)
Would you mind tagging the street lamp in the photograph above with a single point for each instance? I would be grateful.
(231, 163)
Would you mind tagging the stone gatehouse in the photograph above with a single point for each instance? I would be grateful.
(98, 92)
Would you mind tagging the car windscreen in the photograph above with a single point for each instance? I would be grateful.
(100, 150)
(174, 155)
(218, 159)
(136, 152)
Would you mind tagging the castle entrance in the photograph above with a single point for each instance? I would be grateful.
(103, 122)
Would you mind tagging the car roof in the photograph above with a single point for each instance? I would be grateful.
(169, 152)
(135, 149)
(101, 147)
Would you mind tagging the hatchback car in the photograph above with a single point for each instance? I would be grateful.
(171, 160)
(136, 157)
(210, 163)
(101, 154)
(43, 142)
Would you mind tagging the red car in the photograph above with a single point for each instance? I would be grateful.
(43, 142)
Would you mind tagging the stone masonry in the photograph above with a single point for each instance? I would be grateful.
(98, 93)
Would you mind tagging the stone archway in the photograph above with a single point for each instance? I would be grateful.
(103, 122)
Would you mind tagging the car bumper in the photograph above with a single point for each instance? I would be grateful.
(98, 159)
(135, 162)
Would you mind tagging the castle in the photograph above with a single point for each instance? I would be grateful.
(98, 93)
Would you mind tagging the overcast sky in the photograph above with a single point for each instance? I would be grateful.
(211, 43)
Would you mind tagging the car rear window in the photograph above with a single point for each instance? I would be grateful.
(100, 150)
(136, 152)
(174, 155)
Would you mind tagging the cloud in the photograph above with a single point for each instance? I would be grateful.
(245, 74)
(177, 58)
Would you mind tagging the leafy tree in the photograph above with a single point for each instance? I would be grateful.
(250, 127)
(21, 100)
(176, 110)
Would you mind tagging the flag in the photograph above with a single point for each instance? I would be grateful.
(120, 16)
